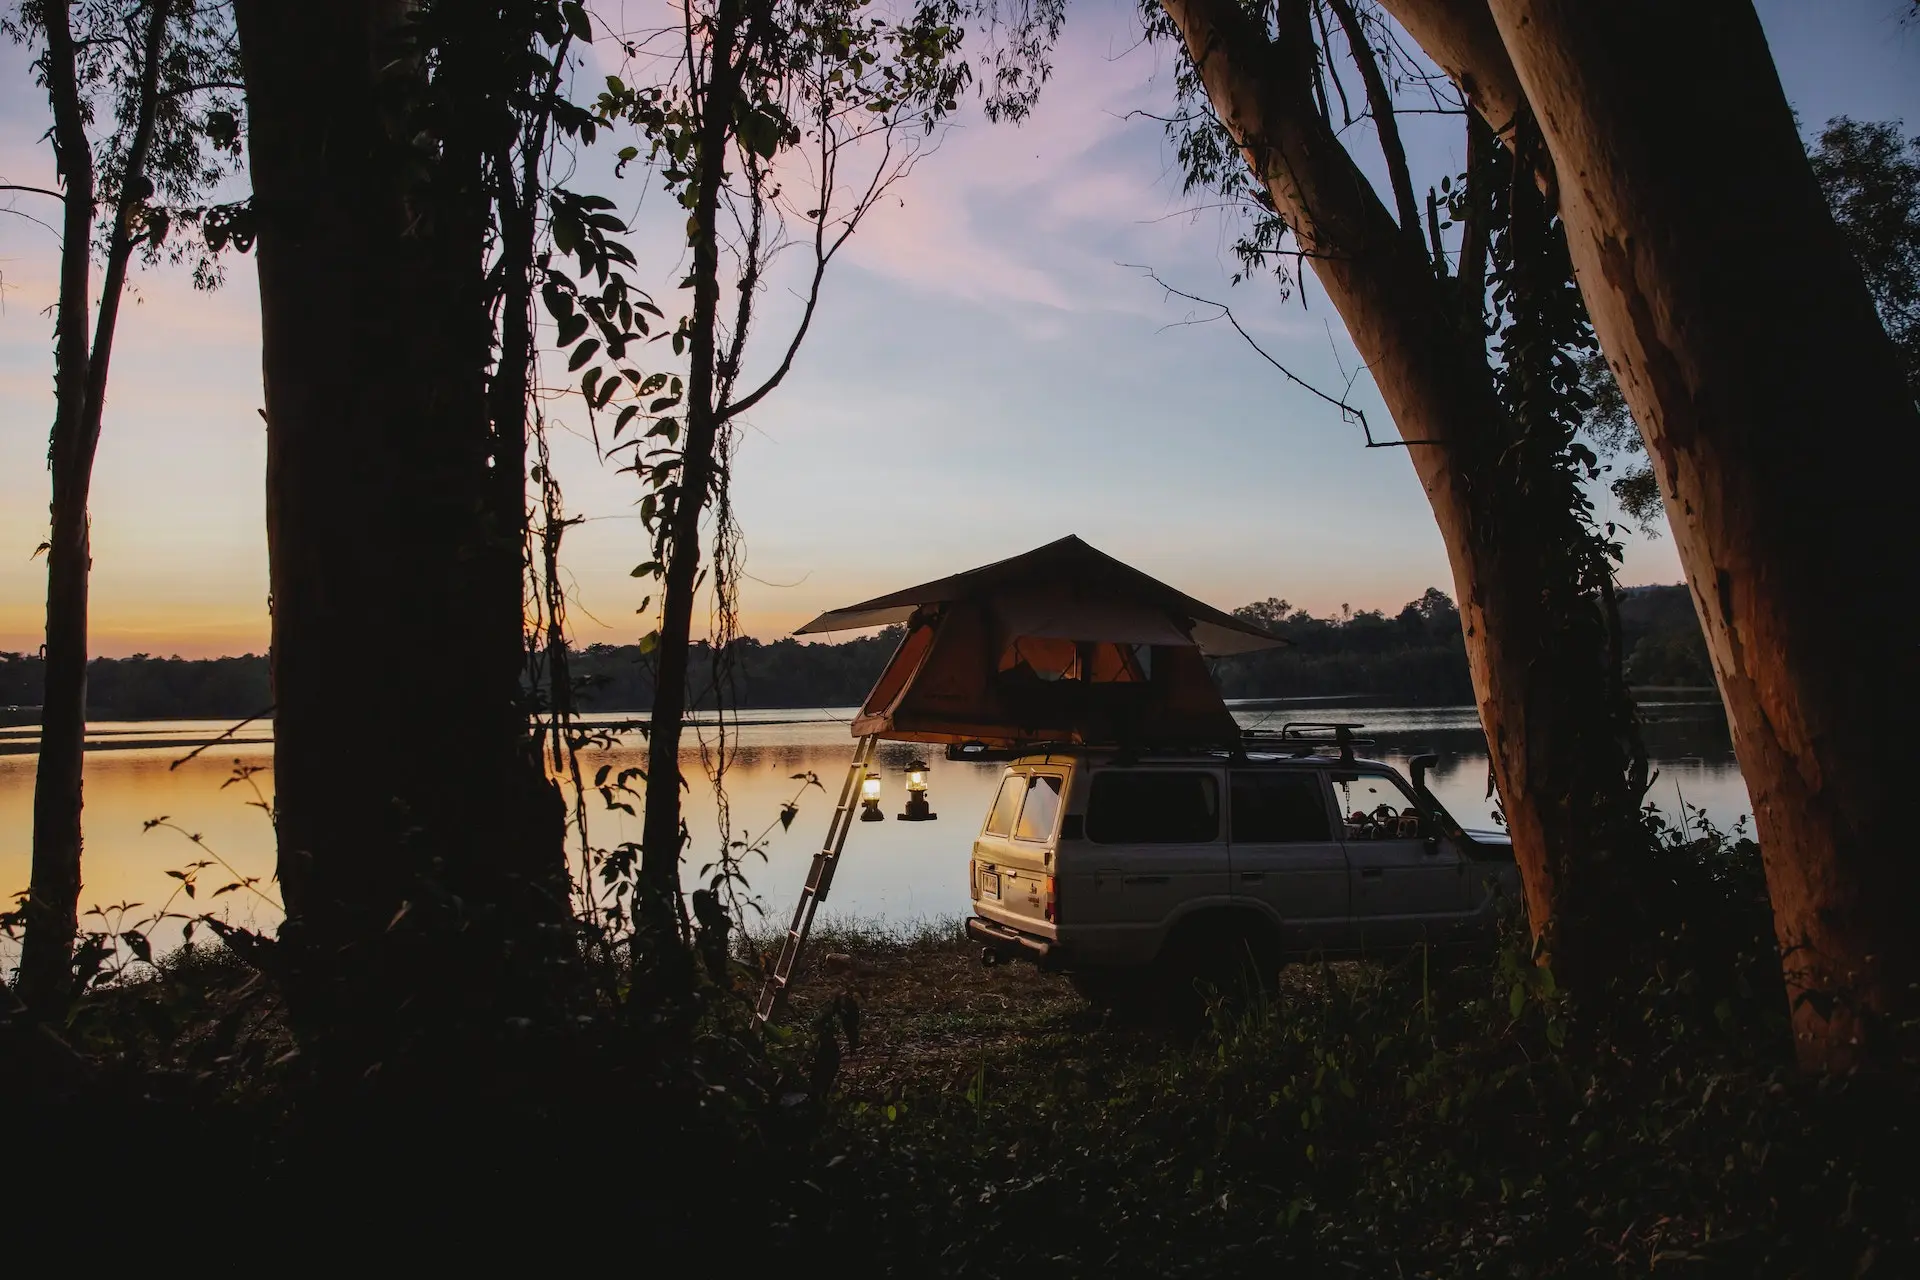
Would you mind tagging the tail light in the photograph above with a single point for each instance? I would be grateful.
(973, 877)
(1052, 903)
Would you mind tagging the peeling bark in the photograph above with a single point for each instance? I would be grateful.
(1772, 404)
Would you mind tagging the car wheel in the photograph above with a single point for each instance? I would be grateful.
(1131, 995)
(1230, 963)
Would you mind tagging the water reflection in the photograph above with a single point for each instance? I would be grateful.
(894, 871)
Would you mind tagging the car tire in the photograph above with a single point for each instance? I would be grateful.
(1130, 995)
(1230, 961)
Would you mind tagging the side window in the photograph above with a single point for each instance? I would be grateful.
(1377, 807)
(1160, 807)
(1279, 808)
(1041, 808)
(1006, 804)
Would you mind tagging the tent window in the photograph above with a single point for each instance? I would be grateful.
(1153, 807)
(1120, 663)
(1043, 656)
(1000, 820)
(1098, 662)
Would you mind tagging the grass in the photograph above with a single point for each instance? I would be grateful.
(1364, 1122)
(1372, 1119)
(930, 1011)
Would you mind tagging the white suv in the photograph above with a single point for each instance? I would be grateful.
(1111, 867)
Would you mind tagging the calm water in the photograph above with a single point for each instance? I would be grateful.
(892, 871)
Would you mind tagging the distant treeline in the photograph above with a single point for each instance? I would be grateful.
(1419, 656)
(785, 673)
(1414, 656)
(148, 688)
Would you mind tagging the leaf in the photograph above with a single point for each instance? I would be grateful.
(582, 354)
(649, 642)
(570, 327)
(41, 550)
(1517, 999)
(137, 943)
(788, 812)
(650, 569)
(577, 23)
(600, 775)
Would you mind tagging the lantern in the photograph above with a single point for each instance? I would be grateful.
(917, 807)
(870, 800)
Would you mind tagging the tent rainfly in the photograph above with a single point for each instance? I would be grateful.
(1063, 644)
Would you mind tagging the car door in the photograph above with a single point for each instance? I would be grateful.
(996, 860)
(1156, 846)
(1406, 883)
(1285, 855)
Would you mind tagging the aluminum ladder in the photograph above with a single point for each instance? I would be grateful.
(819, 880)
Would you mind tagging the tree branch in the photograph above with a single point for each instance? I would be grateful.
(1348, 412)
(122, 242)
(41, 191)
(182, 90)
(885, 174)
(1473, 237)
(1380, 104)
(1333, 72)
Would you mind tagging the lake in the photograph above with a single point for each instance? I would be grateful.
(893, 872)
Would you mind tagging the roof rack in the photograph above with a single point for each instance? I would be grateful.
(1312, 736)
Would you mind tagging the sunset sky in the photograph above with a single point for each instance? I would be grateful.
(990, 371)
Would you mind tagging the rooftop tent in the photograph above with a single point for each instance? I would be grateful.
(1062, 644)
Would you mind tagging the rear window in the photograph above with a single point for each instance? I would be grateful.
(1006, 804)
(1153, 807)
(1041, 808)
(1279, 808)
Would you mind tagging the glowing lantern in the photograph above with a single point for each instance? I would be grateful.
(917, 807)
(870, 800)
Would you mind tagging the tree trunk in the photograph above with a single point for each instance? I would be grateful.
(80, 393)
(420, 842)
(662, 839)
(1539, 679)
(1773, 407)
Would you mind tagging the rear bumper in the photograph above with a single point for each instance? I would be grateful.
(1011, 943)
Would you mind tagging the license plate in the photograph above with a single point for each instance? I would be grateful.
(989, 884)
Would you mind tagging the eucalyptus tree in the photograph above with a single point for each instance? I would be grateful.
(144, 127)
(1474, 343)
(1767, 399)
